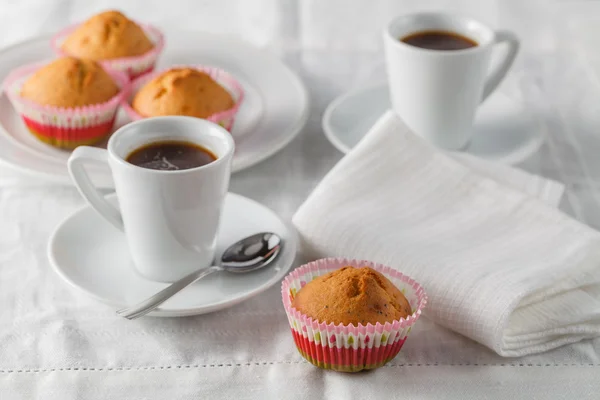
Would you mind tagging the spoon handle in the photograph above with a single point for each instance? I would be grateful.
(153, 302)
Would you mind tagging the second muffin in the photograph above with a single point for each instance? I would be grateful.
(182, 91)
(201, 92)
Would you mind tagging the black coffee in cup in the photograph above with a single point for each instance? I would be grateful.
(171, 156)
(438, 40)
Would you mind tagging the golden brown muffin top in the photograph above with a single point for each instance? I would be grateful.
(352, 296)
(106, 36)
(182, 91)
(70, 82)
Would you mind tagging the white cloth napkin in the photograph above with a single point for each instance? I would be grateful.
(500, 266)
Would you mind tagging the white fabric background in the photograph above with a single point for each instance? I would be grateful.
(491, 258)
(58, 344)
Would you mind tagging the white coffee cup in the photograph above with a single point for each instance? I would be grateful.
(437, 92)
(170, 218)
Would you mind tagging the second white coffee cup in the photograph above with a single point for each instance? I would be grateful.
(437, 92)
(170, 218)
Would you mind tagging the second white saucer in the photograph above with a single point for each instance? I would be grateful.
(504, 131)
(92, 256)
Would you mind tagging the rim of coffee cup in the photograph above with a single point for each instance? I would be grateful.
(213, 127)
(449, 23)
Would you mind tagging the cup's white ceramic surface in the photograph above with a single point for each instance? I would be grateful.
(436, 92)
(170, 218)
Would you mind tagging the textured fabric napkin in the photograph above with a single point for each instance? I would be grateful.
(500, 266)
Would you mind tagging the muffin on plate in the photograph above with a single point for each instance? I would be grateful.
(69, 83)
(350, 315)
(114, 40)
(67, 102)
(201, 92)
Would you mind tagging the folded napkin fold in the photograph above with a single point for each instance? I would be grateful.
(500, 263)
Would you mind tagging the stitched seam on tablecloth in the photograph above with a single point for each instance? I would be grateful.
(224, 365)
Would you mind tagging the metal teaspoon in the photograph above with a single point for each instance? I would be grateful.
(249, 254)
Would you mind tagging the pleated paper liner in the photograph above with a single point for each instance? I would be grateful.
(226, 80)
(349, 348)
(61, 127)
(132, 66)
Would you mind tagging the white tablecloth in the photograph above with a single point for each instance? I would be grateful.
(54, 343)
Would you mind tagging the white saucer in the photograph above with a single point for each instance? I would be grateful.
(274, 110)
(91, 255)
(504, 131)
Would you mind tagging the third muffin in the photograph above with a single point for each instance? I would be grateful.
(115, 40)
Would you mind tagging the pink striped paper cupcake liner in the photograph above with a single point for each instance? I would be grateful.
(60, 127)
(349, 348)
(225, 118)
(132, 66)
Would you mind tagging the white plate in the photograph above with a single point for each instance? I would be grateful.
(504, 131)
(274, 110)
(91, 255)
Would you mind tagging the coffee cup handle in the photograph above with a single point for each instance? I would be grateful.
(76, 165)
(500, 70)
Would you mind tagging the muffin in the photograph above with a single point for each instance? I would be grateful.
(182, 91)
(67, 102)
(352, 296)
(115, 40)
(349, 316)
(69, 83)
(201, 92)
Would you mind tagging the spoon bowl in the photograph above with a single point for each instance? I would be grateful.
(252, 253)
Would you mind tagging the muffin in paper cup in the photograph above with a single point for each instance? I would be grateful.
(225, 79)
(349, 348)
(63, 127)
(133, 66)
